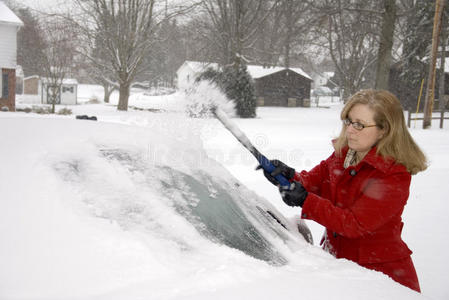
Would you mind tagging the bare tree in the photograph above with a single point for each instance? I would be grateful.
(126, 31)
(385, 45)
(233, 28)
(126, 28)
(101, 70)
(350, 29)
(267, 50)
(296, 17)
(285, 32)
(57, 56)
(30, 43)
(165, 57)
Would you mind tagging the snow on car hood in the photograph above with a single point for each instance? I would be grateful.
(85, 189)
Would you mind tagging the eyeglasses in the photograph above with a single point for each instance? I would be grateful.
(356, 125)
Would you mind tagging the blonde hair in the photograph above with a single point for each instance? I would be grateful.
(396, 143)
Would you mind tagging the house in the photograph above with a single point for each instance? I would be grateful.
(189, 70)
(34, 85)
(9, 25)
(321, 79)
(274, 86)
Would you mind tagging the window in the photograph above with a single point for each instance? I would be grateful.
(4, 86)
(66, 89)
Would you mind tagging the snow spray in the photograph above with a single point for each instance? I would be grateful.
(244, 140)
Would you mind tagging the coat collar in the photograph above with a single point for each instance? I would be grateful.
(381, 163)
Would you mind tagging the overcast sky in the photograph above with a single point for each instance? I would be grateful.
(61, 5)
(45, 5)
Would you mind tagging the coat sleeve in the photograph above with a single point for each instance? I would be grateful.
(379, 201)
(314, 179)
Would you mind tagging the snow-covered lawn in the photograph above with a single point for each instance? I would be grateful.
(83, 213)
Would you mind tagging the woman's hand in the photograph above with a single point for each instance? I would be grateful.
(281, 168)
(295, 195)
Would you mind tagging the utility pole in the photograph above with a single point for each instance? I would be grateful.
(442, 86)
(430, 91)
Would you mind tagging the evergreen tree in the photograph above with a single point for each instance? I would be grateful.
(418, 40)
(417, 43)
(237, 85)
(30, 43)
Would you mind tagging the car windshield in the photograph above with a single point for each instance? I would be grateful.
(219, 208)
(215, 212)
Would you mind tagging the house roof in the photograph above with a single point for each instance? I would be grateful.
(329, 75)
(198, 66)
(8, 17)
(254, 71)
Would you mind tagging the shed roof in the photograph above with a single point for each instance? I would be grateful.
(254, 71)
(8, 17)
(260, 71)
(68, 81)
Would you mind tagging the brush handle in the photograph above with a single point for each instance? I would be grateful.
(244, 140)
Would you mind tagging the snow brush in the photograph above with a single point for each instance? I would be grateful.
(244, 140)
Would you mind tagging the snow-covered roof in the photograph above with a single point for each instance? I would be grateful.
(8, 17)
(64, 81)
(254, 71)
(260, 71)
(30, 77)
(70, 81)
(329, 75)
(198, 66)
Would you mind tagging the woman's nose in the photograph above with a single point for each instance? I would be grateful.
(351, 129)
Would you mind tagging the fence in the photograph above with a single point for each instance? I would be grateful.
(436, 115)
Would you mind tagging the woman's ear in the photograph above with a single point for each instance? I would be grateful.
(381, 134)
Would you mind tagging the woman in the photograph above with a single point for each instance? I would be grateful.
(360, 191)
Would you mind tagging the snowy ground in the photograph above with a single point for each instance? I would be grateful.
(69, 226)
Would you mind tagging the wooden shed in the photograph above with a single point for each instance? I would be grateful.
(281, 87)
(35, 85)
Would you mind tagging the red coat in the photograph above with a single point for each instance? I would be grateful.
(361, 208)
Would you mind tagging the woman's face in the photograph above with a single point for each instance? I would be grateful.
(362, 140)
